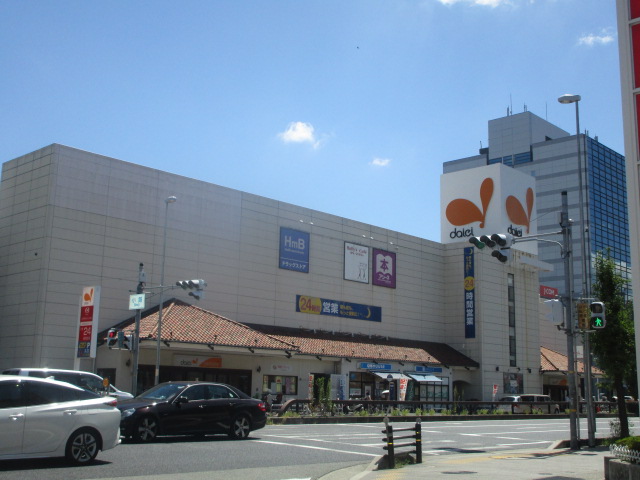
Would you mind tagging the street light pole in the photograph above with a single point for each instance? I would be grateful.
(567, 99)
(565, 223)
(167, 201)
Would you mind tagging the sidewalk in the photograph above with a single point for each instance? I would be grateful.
(546, 464)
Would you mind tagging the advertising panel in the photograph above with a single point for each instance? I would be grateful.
(384, 268)
(336, 308)
(487, 200)
(356, 262)
(469, 295)
(294, 250)
(87, 339)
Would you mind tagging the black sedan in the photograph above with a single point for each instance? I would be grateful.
(191, 408)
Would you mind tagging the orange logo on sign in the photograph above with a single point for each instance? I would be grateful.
(463, 212)
(515, 210)
(88, 296)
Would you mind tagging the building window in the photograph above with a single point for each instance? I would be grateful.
(287, 385)
(512, 320)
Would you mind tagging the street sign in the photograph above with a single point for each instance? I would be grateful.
(136, 301)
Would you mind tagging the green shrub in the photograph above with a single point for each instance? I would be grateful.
(632, 443)
(290, 414)
(464, 411)
(483, 411)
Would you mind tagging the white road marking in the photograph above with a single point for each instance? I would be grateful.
(318, 448)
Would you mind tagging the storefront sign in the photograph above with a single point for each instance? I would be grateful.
(294, 250)
(88, 323)
(197, 361)
(281, 368)
(356, 262)
(548, 292)
(336, 308)
(421, 369)
(469, 295)
(374, 366)
(384, 268)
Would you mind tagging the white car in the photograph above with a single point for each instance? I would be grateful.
(86, 380)
(47, 418)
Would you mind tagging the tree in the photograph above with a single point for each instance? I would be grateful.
(614, 345)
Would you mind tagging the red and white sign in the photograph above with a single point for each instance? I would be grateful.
(548, 292)
(88, 323)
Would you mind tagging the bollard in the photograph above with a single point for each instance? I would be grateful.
(391, 457)
(418, 440)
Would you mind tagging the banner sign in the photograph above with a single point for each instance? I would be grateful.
(88, 323)
(197, 361)
(356, 262)
(294, 250)
(384, 268)
(336, 308)
(469, 295)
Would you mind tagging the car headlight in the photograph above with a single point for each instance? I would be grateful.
(127, 413)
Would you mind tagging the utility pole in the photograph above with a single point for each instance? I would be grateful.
(142, 278)
(565, 223)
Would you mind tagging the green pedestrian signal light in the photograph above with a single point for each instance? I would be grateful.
(598, 320)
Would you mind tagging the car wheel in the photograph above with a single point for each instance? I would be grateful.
(82, 446)
(240, 427)
(146, 430)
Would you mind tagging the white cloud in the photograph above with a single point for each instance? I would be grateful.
(591, 39)
(299, 132)
(380, 162)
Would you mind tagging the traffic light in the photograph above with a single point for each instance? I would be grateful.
(196, 287)
(112, 338)
(124, 341)
(503, 240)
(500, 243)
(583, 316)
(598, 320)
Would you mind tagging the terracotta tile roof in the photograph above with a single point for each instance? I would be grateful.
(186, 323)
(346, 345)
(551, 361)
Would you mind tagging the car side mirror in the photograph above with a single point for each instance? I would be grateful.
(181, 400)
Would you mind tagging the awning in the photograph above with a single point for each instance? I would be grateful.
(421, 377)
(394, 375)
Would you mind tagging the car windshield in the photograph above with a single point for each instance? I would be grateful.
(163, 392)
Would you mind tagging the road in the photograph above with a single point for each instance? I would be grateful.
(292, 451)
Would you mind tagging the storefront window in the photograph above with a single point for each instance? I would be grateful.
(287, 385)
(362, 385)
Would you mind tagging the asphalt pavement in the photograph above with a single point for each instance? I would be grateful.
(539, 464)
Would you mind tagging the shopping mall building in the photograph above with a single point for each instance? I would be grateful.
(292, 294)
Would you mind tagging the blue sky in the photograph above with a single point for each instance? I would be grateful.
(347, 107)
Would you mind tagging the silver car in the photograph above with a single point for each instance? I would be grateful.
(525, 403)
(47, 418)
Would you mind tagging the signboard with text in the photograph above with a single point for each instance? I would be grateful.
(87, 338)
(337, 308)
(294, 250)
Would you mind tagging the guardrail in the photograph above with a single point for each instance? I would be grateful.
(306, 407)
(391, 445)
